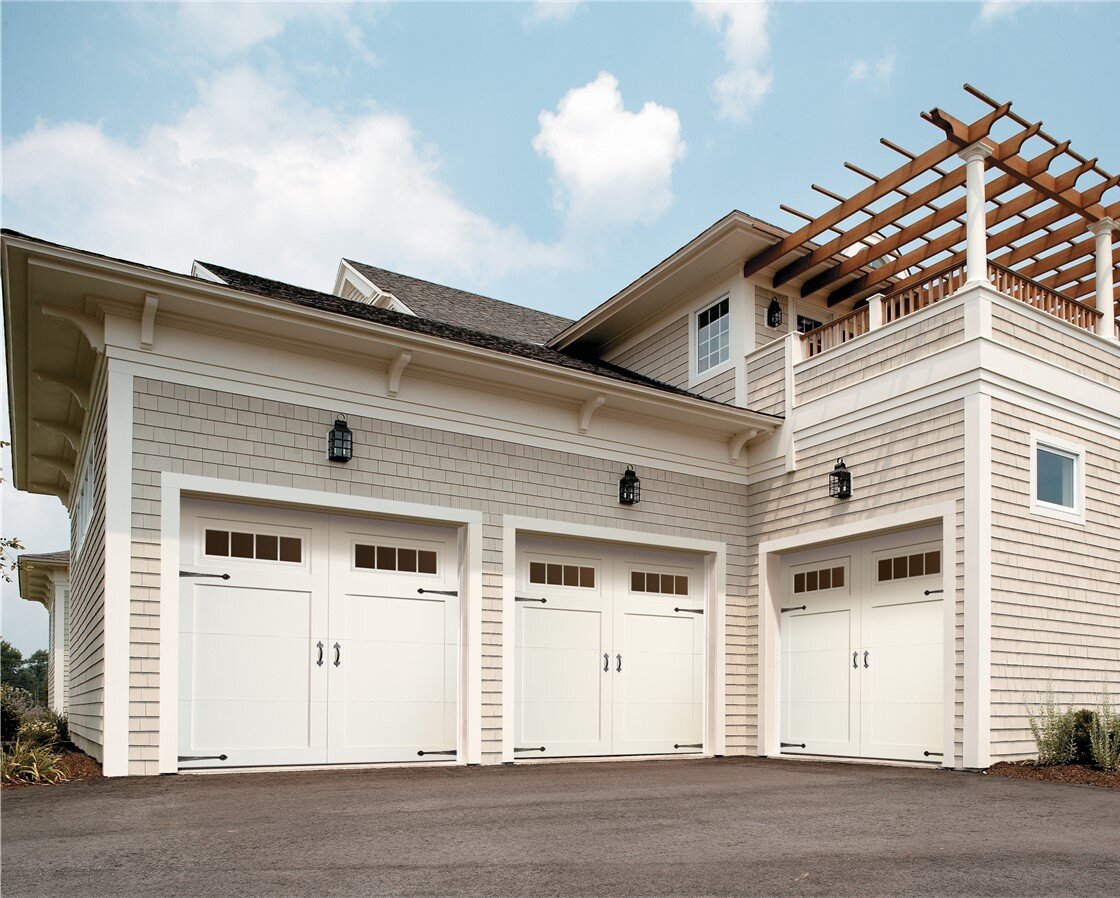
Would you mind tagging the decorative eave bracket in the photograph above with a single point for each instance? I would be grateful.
(736, 444)
(148, 322)
(396, 369)
(587, 411)
(78, 389)
(90, 326)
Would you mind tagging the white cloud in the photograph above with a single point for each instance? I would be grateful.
(877, 73)
(254, 176)
(994, 10)
(552, 11)
(612, 167)
(746, 46)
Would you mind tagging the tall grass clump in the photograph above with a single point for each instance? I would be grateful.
(1104, 735)
(1053, 729)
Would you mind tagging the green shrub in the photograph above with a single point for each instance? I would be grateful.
(38, 731)
(1053, 731)
(24, 762)
(16, 706)
(1104, 736)
(1082, 727)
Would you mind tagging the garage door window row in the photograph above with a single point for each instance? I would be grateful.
(254, 546)
(395, 558)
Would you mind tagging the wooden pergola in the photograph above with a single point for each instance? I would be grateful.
(1044, 213)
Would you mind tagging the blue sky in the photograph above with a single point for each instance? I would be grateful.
(546, 154)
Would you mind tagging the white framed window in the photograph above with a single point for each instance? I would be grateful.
(713, 335)
(1057, 478)
(82, 512)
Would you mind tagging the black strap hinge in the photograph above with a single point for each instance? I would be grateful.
(203, 757)
(795, 608)
(439, 592)
(792, 744)
(530, 749)
(449, 751)
(194, 574)
(524, 599)
(687, 745)
(690, 610)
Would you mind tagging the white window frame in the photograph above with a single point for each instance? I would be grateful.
(696, 376)
(83, 501)
(1076, 513)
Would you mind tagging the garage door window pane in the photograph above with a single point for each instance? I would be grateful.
(406, 560)
(837, 577)
(556, 575)
(900, 568)
(587, 577)
(537, 572)
(682, 586)
(268, 547)
(425, 562)
(571, 575)
(365, 557)
(217, 542)
(799, 583)
(386, 558)
(885, 569)
(241, 545)
(291, 549)
(916, 565)
(933, 562)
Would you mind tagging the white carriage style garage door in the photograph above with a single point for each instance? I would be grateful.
(305, 638)
(610, 650)
(862, 672)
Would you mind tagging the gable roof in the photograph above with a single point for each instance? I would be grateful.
(470, 310)
(328, 302)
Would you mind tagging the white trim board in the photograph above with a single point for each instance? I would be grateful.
(715, 710)
(174, 486)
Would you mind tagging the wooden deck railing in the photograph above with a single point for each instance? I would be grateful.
(835, 333)
(941, 284)
(1034, 294)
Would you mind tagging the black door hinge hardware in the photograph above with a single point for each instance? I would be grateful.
(203, 757)
(523, 599)
(450, 751)
(690, 610)
(791, 744)
(798, 608)
(439, 592)
(683, 745)
(530, 749)
(193, 574)
(930, 592)
(934, 754)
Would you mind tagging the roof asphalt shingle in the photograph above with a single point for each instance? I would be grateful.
(33, 558)
(458, 307)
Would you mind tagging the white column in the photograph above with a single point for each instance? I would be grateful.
(976, 252)
(875, 313)
(1102, 230)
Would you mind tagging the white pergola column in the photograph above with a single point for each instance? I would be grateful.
(976, 251)
(1102, 230)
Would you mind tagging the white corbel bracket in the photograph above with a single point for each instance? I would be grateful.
(396, 369)
(92, 329)
(587, 411)
(78, 389)
(62, 465)
(72, 434)
(737, 442)
(51, 489)
(148, 322)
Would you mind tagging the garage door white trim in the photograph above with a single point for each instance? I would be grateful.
(172, 489)
(715, 725)
(771, 590)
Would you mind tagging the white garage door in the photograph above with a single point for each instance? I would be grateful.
(305, 639)
(862, 636)
(610, 650)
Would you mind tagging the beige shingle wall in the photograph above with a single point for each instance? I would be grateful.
(662, 355)
(763, 333)
(766, 380)
(907, 341)
(1020, 329)
(1055, 585)
(203, 432)
(915, 461)
(86, 606)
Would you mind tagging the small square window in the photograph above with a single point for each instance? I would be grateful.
(1056, 475)
(637, 581)
(386, 558)
(217, 542)
(587, 577)
(365, 557)
(811, 581)
(425, 562)
(837, 577)
(268, 547)
(799, 582)
(537, 572)
(556, 575)
(916, 565)
(291, 549)
(406, 560)
(241, 545)
(571, 575)
(885, 569)
(933, 562)
(682, 585)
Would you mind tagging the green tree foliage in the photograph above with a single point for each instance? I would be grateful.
(24, 673)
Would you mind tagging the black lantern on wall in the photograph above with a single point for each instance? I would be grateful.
(629, 488)
(340, 441)
(774, 314)
(840, 481)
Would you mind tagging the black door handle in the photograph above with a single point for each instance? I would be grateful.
(855, 660)
(319, 646)
(619, 668)
(606, 662)
(865, 664)
(337, 654)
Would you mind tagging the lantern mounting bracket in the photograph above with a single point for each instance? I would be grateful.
(396, 369)
(587, 410)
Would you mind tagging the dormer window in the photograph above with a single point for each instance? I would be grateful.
(713, 336)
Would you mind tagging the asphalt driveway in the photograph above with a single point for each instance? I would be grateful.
(729, 827)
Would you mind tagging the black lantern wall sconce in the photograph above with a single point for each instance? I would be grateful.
(840, 481)
(629, 488)
(340, 441)
(774, 314)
